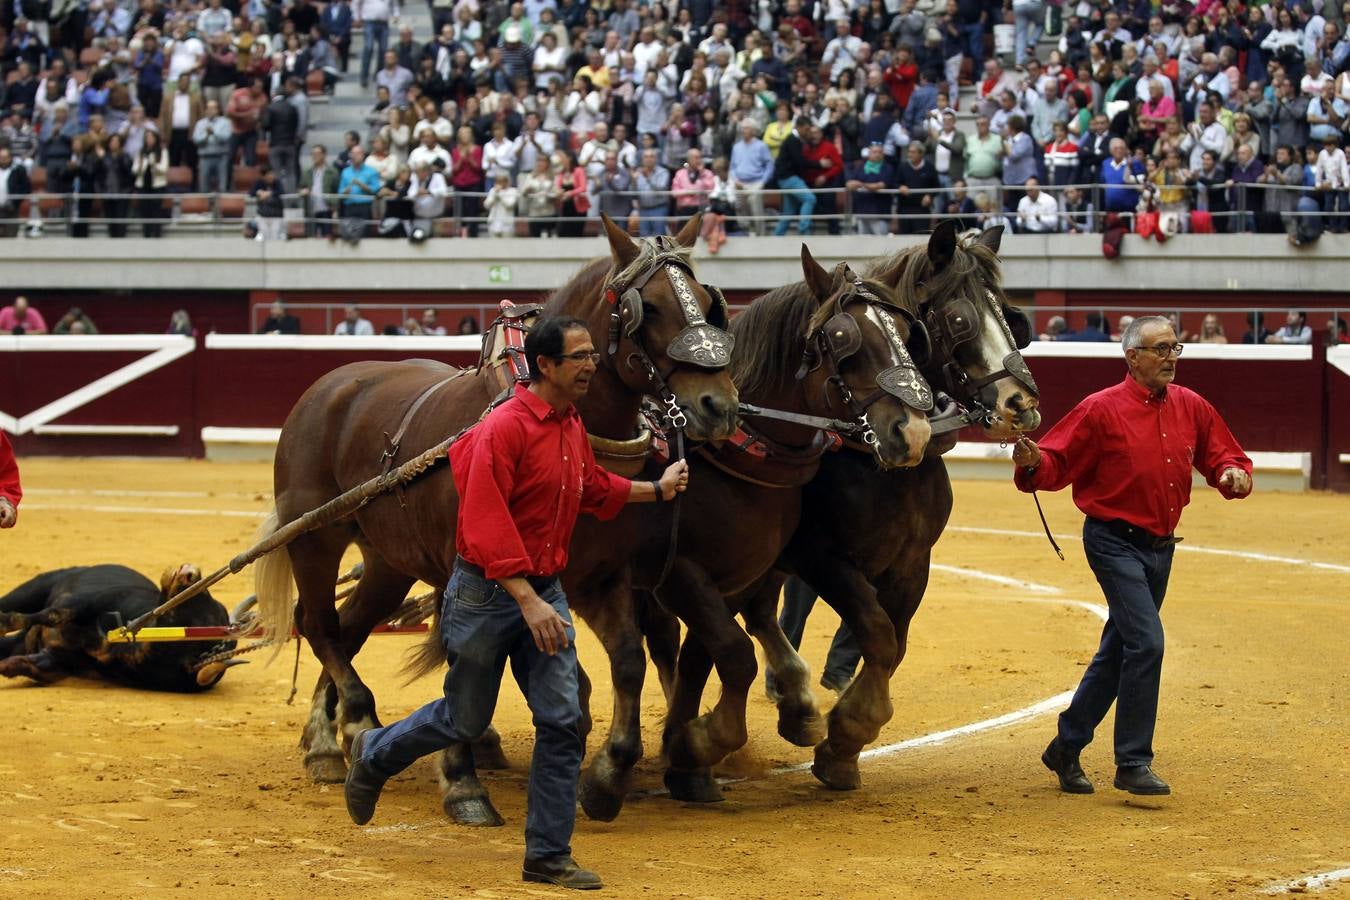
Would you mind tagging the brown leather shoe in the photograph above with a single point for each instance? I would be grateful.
(1064, 764)
(562, 871)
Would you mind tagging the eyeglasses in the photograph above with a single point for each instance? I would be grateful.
(581, 356)
(1162, 351)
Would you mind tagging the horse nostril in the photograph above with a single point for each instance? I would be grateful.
(712, 406)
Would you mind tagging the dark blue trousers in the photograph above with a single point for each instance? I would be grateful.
(1127, 668)
(482, 628)
(798, 600)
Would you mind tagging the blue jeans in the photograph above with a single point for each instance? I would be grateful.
(213, 174)
(797, 200)
(1027, 24)
(376, 34)
(798, 600)
(651, 221)
(481, 628)
(1335, 202)
(1128, 666)
(974, 38)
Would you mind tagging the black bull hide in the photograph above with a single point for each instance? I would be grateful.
(55, 625)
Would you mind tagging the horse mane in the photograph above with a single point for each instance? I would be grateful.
(771, 333)
(588, 279)
(915, 282)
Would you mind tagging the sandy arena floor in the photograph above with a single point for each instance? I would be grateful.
(108, 792)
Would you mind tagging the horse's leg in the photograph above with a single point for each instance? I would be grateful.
(799, 720)
(463, 796)
(694, 665)
(323, 754)
(709, 738)
(605, 783)
(662, 631)
(865, 706)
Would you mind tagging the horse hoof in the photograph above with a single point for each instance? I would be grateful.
(835, 774)
(326, 768)
(693, 787)
(475, 811)
(599, 801)
(801, 731)
(489, 757)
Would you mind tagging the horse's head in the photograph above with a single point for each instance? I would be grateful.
(976, 333)
(667, 334)
(858, 356)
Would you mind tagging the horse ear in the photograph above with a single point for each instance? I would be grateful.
(942, 245)
(817, 279)
(991, 238)
(624, 248)
(688, 235)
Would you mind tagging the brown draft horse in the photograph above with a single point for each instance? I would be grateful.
(866, 536)
(731, 530)
(338, 435)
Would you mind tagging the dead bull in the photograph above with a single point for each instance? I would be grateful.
(56, 625)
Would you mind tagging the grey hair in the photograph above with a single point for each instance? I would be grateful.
(1130, 340)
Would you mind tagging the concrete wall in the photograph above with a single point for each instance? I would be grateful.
(1060, 263)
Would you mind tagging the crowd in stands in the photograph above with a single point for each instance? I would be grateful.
(536, 115)
(1295, 329)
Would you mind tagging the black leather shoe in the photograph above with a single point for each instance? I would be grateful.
(1065, 765)
(562, 871)
(363, 786)
(1140, 780)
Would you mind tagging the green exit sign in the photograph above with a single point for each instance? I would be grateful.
(499, 274)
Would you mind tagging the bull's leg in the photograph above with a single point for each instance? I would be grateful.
(662, 631)
(41, 667)
(606, 782)
(799, 720)
(691, 677)
(865, 706)
(708, 739)
(44, 618)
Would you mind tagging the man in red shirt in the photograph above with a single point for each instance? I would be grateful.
(901, 78)
(824, 169)
(10, 490)
(524, 474)
(1128, 452)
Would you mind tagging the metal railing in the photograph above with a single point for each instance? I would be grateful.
(221, 211)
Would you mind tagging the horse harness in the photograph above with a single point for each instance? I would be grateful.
(703, 342)
(954, 322)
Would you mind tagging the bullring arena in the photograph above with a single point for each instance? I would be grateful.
(114, 792)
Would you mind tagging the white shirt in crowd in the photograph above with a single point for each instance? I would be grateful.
(362, 328)
(1332, 169)
(432, 203)
(1038, 216)
(184, 56)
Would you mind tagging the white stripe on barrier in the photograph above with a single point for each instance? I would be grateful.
(447, 344)
(102, 430)
(1244, 352)
(214, 434)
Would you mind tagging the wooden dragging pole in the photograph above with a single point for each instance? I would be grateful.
(338, 508)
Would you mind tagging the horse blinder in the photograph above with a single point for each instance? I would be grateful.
(1019, 325)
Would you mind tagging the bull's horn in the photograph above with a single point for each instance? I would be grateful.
(210, 673)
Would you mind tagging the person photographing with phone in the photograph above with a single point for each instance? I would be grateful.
(1128, 453)
(524, 474)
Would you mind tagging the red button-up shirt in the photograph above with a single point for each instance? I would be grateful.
(9, 473)
(523, 475)
(1128, 454)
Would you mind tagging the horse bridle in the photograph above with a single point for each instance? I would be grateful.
(840, 338)
(954, 322)
(701, 342)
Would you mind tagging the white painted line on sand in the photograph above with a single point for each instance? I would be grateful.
(144, 510)
(111, 492)
(963, 572)
(1184, 548)
(1309, 882)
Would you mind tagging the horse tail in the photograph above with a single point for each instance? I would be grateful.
(429, 655)
(274, 584)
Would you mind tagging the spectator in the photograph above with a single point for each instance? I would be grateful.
(318, 192)
(429, 152)
(245, 112)
(1061, 157)
(267, 195)
(1121, 325)
(984, 161)
(14, 185)
(1333, 180)
(1019, 160)
(1037, 211)
(947, 150)
(1211, 331)
(279, 321)
(74, 316)
(651, 181)
(1211, 183)
(354, 323)
(1256, 329)
(181, 323)
(150, 170)
(428, 190)
(1079, 214)
(1094, 330)
(1057, 328)
(917, 183)
(373, 16)
(751, 168)
(468, 180)
(871, 179)
(1121, 174)
(21, 318)
(178, 117)
(1295, 330)
(335, 23)
(790, 170)
(571, 193)
(431, 325)
(721, 204)
(117, 184)
(357, 187)
(538, 202)
(211, 136)
(500, 204)
(393, 77)
(1336, 332)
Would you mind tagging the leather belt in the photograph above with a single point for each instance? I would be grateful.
(538, 582)
(1139, 537)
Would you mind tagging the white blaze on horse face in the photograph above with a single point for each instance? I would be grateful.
(995, 343)
(915, 430)
(875, 315)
